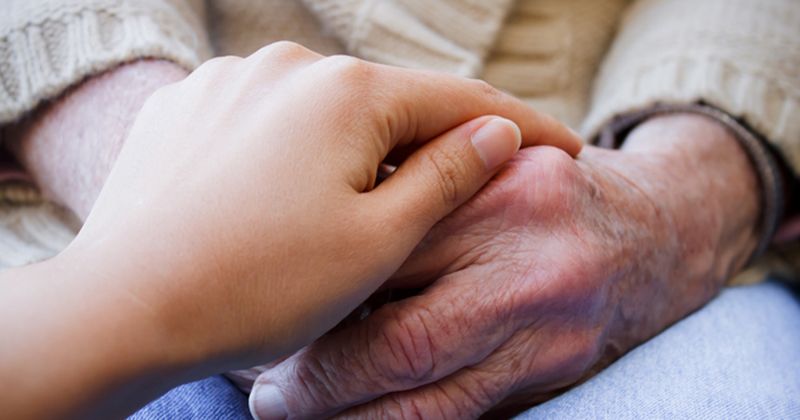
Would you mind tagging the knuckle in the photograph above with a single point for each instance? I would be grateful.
(410, 409)
(216, 64)
(479, 394)
(450, 173)
(435, 405)
(348, 70)
(348, 85)
(577, 353)
(545, 180)
(571, 288)
(317, 388)
(224, 60)
(486, 90)
(405, 351)
(554, 161)
(587, 349)
(281, 50)
(213, 67)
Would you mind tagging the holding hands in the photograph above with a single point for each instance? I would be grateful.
(271, 204)
(552, 271)
(241, 220)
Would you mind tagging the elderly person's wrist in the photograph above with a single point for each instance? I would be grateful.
(710, 184)
(69, 145)
(686, 200)
(775, 179)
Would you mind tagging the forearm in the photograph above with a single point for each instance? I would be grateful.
(706, 178)
(83, 339)
(77, 344)
(697, 220)
(69, 145)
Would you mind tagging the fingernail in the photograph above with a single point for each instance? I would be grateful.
(496, 141)
(267, 403)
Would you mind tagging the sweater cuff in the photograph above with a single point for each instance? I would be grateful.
(768, 106)
(766, 166)
(41, 55)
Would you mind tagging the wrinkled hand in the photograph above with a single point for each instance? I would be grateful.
(556, 267)
(243, 201)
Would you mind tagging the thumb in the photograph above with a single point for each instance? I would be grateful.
(445, 172)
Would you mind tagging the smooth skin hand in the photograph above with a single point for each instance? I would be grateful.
(555, 269)
(240, 222)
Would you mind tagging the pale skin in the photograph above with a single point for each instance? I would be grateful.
(231, 228)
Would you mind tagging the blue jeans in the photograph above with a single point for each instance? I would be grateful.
(210, 398)
(737, 358)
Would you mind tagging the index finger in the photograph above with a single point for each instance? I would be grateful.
(426, 103)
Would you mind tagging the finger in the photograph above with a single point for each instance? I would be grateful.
(401, 346)
(519, 373)
(423, 104)
(244, 378)
(442, 175)
(465, 394)
(507, 205)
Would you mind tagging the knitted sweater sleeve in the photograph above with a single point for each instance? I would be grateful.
(48, 45)
(740, 56)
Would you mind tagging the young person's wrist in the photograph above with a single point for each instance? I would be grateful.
(86, 340)
(140, 295)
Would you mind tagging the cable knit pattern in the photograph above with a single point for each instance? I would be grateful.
(548, 54)
(262, 22)
(742, 56)
(48, 45)
(449, 35)
(33, 231)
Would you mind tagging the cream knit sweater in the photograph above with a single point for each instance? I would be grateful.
(584, 61)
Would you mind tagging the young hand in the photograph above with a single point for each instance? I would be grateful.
(241, 219)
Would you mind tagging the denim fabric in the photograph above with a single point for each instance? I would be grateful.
(737, 358)
(211, 398)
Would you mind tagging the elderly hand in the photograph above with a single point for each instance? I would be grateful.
(241, 221)
(261, 173)
(554, 269)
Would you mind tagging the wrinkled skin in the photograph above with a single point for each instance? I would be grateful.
(231, 228)
(555, 269)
